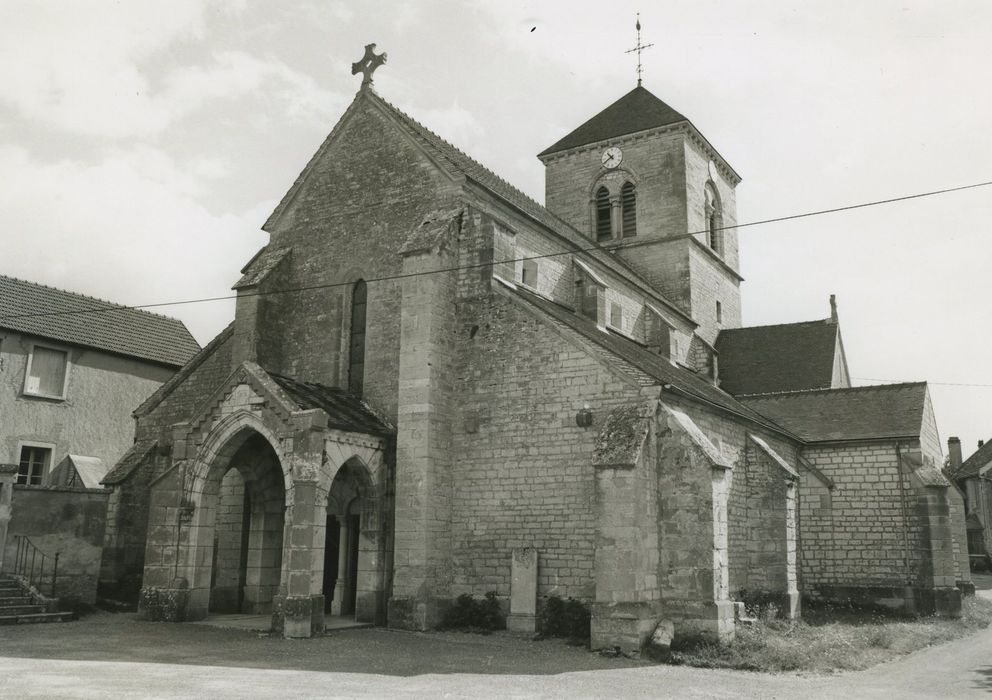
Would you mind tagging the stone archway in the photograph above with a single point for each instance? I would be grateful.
(249, 505)
(348, 546)
(245, 574)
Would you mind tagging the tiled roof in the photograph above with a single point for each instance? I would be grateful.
(458, 162)
(131, 460)
(345, 411)
(72, 318)
(971, 466)
(770, 359)
(658, 368)
(260, 266)
(858, 413)
(638, 110)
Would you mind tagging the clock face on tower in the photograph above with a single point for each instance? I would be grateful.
(612, 157)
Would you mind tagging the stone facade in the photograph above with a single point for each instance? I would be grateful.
(515, 402)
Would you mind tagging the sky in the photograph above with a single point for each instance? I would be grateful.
(143, 144)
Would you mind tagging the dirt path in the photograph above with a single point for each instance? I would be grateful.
(116, 656)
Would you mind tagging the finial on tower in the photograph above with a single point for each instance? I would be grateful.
(368, 63)
(639, 48)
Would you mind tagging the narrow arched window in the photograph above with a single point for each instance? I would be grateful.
(714, 220)
(628, 205)
(603, 227)
(356, 346)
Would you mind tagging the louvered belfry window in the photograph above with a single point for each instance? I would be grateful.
(628, 204)
(603, 228)
(356, 347)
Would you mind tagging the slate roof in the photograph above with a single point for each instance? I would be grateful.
(858, 413)
(345, 411)
(971, 466)
(131, 460)
(658, 368)
(638, 110)
(46, 312)
(260, 266)
(458, 162)
(771, 359)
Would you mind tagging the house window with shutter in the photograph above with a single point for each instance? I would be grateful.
(47, 372)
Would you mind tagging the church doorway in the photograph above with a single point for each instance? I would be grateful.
(247, 505)
(346, 502)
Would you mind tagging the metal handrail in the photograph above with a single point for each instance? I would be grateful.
(31, 563)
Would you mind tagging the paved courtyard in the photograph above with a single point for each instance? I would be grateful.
(117, 656)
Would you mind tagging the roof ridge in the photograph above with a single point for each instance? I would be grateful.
(773, 394)
(110, 304)
(825, 321)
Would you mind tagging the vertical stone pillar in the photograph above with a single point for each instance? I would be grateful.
(523, 591)
(422, 549)
(341, 583)
(302, 609)
(8, 476)
(693, 488)
(626, 608)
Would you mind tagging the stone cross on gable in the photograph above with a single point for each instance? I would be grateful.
(368, 63)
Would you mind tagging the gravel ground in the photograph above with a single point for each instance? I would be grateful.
(117, 656)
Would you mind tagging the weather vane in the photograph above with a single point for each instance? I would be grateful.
(367, 64)
(639, 48)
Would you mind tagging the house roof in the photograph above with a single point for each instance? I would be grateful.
(771, 359)
(345, 411)
(654, 366)
(458, 162)
(46, 312)
(638, 110)
(858, 413)
(971, 466)
(90, 469)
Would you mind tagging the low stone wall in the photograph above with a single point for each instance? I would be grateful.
(69, 521)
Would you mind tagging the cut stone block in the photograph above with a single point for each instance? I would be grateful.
(523, 591)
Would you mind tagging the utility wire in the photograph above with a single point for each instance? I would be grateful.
(607, 248)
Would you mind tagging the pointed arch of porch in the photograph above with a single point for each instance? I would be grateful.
(354, 485)
(241, 441)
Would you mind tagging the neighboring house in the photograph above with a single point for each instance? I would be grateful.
(72, 368)
(974, 477)
(432, 380)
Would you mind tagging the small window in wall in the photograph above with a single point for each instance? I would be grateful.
(603, 224)
(616, 316)
(628, 207)
(46, 372)
(356, 346)
(719, 313)
(528, 277)
(33, 464)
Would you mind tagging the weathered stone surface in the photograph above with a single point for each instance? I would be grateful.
(523, 591)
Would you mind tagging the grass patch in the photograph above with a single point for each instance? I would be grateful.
(832, 640)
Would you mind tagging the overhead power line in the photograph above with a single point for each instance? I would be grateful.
(620, 246)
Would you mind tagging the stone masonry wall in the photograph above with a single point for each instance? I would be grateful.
(523, 474)
(867, 543)
(67, 521)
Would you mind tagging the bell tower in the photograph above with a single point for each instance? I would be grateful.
(640, 178)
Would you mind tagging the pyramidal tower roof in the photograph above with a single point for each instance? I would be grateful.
(638, 110)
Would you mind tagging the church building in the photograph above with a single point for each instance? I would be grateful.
(434, 385)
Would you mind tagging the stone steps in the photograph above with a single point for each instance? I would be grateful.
(34, 618)
(18, 608)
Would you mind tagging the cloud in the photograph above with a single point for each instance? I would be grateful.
(99, 69)
(137, 207)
